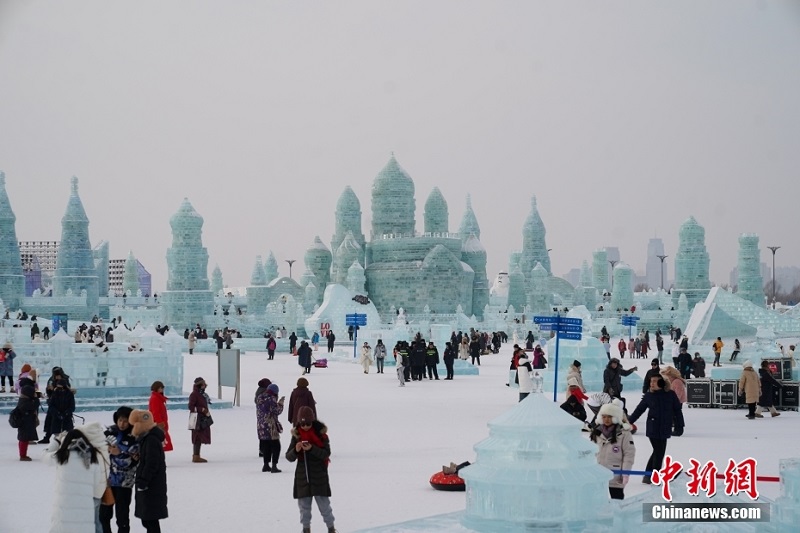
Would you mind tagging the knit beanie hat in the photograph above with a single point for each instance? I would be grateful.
(273, 389)
(142, 422)
(264, 383)
(305, 414)
(576, 363)
(25, 368)
(747, 364)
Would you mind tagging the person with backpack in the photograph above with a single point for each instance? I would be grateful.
(271, 345)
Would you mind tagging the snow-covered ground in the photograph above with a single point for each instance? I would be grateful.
(386, 443)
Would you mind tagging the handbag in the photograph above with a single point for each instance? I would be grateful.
(204, 421)
(192, 421)
(108, 497)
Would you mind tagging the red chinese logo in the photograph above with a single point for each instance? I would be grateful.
(665, 475)
(738, 477)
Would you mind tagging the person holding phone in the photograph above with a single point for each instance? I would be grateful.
(311, 449)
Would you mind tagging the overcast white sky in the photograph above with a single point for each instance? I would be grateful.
(623, 118)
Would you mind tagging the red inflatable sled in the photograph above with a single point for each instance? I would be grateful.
(320, 363)
(447, 482)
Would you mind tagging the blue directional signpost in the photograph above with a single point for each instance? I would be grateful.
(356, 320)
(565, 328)
(630, 321)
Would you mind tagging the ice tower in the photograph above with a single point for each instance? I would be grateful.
(271, 267)
(393, 203)
(187, 298)
(257, 292)
(130, 277)
(318, 260)
(474, 254)
(12, 279)
(534, 248)
(436, 215)
(750, 285)
(101, 261)
(216, 281)
(469, 223)
(348, 218)
(600, 270)
(75, 270)
(622, 293)
(691, 264)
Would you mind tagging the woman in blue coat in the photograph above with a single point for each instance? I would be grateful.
(663, 408)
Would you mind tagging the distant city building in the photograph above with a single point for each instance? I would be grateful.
(116, 274)
(653, 273)
(39, 272)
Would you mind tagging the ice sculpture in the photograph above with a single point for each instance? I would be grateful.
(469, 222)
(691, 263)
(271, 267)
(348, 219)
(749, 283)
(474, 254)
(130, 278)
(336, 303)
(409, 270)
(356, 279)
(436, 218)
(100, 255)
(516, 287)
(318, 260)
(348, 252)
(12, 279)
(259, 276)
(534, 247)
(535, 472)
(188, 297)
(216, 281)
(393, 203)
(622, 293)
(600, 270)
(726, 315)
(540, 297)
(75, 263)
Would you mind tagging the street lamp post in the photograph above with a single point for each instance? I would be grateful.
(612, 272)
(662, 257)
(773, 249)
(291, 262)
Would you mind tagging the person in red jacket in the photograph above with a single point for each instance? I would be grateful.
(158, 406)
(621, 346)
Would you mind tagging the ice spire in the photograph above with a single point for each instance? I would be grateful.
(469, 223)
(12, 278)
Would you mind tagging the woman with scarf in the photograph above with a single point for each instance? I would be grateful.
(311, 448)
(158, 406)
(198, 403)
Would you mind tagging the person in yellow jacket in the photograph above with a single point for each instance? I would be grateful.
(717, 346)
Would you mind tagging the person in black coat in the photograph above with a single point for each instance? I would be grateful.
(685, 363)
(431, 360)
(311, 448)
(60, 406)
(663, 408)
(698, 366)
(768, 387)
(331, 339)
(449, 359)
(28, 407)
(612, 378)
(292, 342)
(304, 357)
(655, 371)
(417, 357)
(151, 472)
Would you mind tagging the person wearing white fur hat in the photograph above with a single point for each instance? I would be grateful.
(524, 379)
(615, 448)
